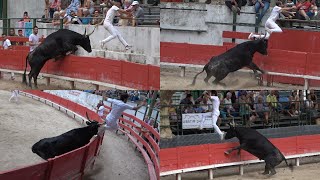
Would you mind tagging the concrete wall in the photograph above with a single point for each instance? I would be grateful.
(145, 41)
(193, 26)
(35, 8)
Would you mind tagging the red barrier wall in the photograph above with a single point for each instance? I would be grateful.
(132, 75)
(209, 154)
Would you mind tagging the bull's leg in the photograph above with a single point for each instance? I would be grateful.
(30, 78)
(220, 75)
(255, 68)
(235, 148)
(207, 79)
(273, 171)
(266, 169)
(35, 78)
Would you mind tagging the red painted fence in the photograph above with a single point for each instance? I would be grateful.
(209, 154)
(296, 57)
(132, 75)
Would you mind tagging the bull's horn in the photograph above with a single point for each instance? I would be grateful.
(265, 34)
(92, 31)
(85, 31)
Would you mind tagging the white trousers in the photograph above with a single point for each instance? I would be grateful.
(215, 127)
(114, 33)
(15, 96)
(270, 27)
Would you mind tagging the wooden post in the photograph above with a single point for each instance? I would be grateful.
(47, 81)
(96, 86)
(241, 169)
(183, 71)
(210, 173)
(297, 162)
(306, 84)
(178, 176)
(72, 84)
(1, 75)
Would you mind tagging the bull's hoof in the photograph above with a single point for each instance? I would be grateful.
(272, 173)
(265, 173)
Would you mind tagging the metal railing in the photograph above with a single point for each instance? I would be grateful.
(278, 117)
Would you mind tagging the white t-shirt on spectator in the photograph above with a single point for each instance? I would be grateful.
(101, 110)
(215, 105)
(275, 13)
(117, 108)
(6, 44)
(35, 40)
(111, 14)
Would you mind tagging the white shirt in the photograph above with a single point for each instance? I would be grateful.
(111, 14)
(117, 108)
(275, 13)
(6, 44)
(215, 105)
(101, 110)
(35, 40)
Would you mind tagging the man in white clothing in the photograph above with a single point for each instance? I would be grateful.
(7, 45)
(34, 42)
(14, 95)
(215, 112)
(271, 25)
(107, 24)
(118, 106)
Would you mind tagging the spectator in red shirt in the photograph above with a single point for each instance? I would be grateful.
(302, 8)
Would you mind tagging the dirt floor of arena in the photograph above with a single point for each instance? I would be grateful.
(308, 170)
(7, 84)
(171, 80)
(26, 122)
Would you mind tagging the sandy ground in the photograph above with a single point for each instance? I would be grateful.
(303, 172)
(23, 124)
(171, 80)
(7, 84)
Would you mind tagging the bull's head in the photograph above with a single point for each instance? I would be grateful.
(263, 45)
(85, 44)
(231, 132)
(94, 125)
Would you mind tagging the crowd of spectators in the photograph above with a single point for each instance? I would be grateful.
(249, 105)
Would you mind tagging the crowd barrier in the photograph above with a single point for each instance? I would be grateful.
(122, 73)
(209, 156)
(295, 63)
(67, 166)
(71, 165)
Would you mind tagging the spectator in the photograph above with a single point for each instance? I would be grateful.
(55, 5)
(314, 98)
(228, 104)
(261, 110)
(127, 6)
(137, 13)
(272, 100)
(303, 7)
(20, 34)
(114, 33)
(12, 33)
(309, 102)
(34, 39)
(188, 104)
(235, 5)
(87, 5)
(100, 109)
(97, 19)
(46, 9)
(56, 18)
(86, 19)
(7, 45)
(313, 9)
(264, 5)
(74, 6)
(74, 18)
(66, 18)
(25, 17)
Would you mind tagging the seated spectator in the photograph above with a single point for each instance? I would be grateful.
(314, 98)
(54, 6)
(6, 42)
(251, 2)
(12, 33)
(264, 5)
(261, 110)
(235, 5)
(20, 34)
(97, 19)
(86, 19)
(66, 18)
(313, 11)
(272, 101)
(303, 7)
(56, 18)
(73, 7)
(87, 5)
(228, 104)
(46, 9)
(25, 17)
(137, 13)
(124, 21)
(188, 108)
(309, 102)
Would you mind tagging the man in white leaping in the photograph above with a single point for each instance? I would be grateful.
(107, 24)
(215, 112)
(271, 25)
(14, 95)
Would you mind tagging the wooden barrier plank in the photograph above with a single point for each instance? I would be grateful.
(34, 172)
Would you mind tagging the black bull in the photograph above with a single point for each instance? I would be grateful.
(55, 46)
(258, 145)
(234, 59)
(50, 147)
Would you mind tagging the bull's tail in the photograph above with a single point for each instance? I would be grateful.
(195, 77)
(289, 165)
(24, 78)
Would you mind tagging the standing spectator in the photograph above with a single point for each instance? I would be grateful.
(110, 28)
(34, 41)
(46, 9)
(74, 6)
(228, 104)
(25, 17)
(12, 33)
(20, 34)
(314, 98)
(7, 45)
(188, 104)
(55, 5)
(100, 109)
(137, 13)
(264, 5)
(272, 100)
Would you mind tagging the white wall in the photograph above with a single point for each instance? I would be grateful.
(35, 8)
(193, 26)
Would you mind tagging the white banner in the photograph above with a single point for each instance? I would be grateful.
(193, 121)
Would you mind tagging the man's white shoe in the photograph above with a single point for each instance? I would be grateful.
(250, 36)
(222, 136)
(101, 44)
(128, 47)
